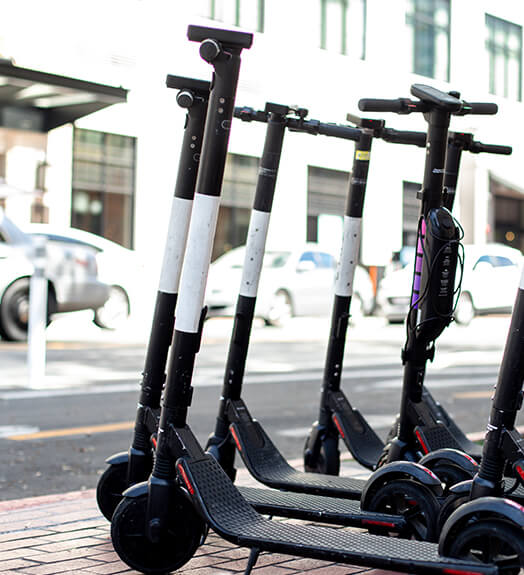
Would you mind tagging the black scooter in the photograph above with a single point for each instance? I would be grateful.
(503, 449)
(416, 491)
(423, 506)
(132, 466)
(158, 525)
(433, 428)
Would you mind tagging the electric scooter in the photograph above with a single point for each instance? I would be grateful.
(421, 522)
(132, 466)
(337, 417)
(413, 513)
(158, 525)
(503, 449)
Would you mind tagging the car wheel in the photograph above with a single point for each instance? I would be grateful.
(115, 312)
(14, 310)
(465, 311)
(280, 309)
(357, 309)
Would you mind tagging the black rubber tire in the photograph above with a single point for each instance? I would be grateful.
(177, 545)
(13, 325)
(448, 473)
(328, 460)
(451, 503)
(115, 312)
(412, 500)
(490, 541)
(281, 309)
(109, 489)
(465, 310)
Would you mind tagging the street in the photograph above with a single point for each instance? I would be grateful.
(55, 439)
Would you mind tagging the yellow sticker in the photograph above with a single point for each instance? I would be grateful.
(361, 155)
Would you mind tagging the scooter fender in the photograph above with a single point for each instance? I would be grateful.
(399, 470)
(452, 456)
(462, 488)
(137, 490)
(117, 458)
(483, 508)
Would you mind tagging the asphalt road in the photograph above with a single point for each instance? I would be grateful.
(55, 439)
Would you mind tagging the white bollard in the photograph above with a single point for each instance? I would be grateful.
(36, 348)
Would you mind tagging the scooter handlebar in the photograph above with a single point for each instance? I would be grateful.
(479, 108)
(398, 105)
(404, 137)
(479, 147)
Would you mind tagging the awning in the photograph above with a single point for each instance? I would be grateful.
(38, 101)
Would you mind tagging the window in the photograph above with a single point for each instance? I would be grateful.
(504, 46)
(247, 14)
(343, 26)
(428, 21)
(327, 194)
(104, 185)
(507, 214)
(238, 191)
(410, 213)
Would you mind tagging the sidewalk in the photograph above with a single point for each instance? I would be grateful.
(66, 534)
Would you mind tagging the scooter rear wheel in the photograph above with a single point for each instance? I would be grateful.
(448, 474)
(109, 489)
(490, 541)
(412, 500)
(177, 544)
(328, 459)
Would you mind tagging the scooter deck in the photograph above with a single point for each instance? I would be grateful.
(318, 508)
(462, 442)
(267, 465)
(235, 520)
(363, 443)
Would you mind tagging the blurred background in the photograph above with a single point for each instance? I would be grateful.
(90, 135)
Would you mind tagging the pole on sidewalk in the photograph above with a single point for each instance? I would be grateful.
(36, 348)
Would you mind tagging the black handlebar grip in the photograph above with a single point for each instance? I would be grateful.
(492, 149)
(337, 131)
(397, 105)
(181, 83)
(226, 37)
(404, 137)
(480, 108)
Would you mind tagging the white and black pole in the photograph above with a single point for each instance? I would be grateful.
(37, 323)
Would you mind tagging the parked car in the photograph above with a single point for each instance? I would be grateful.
(296, 282)
(117, 266)
(489, 284)
(71, 271)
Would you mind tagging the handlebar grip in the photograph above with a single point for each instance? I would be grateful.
(492, 149)
(404, 137)
(337, 131)
(226, 37)
(397, 105)
(182, 83)
(480, 108)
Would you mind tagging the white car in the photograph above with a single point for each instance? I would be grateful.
(71, 271)
(119, 267)
(296, 282)
(489, 284)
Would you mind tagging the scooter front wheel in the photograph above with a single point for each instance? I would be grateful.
(109, 489)
(414, 501)
(177, 543)
(490, 541)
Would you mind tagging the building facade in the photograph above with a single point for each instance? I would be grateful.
(113, 172)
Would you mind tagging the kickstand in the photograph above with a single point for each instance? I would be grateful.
(253, 556)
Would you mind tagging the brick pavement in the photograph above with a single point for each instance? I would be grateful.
(66, 534)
